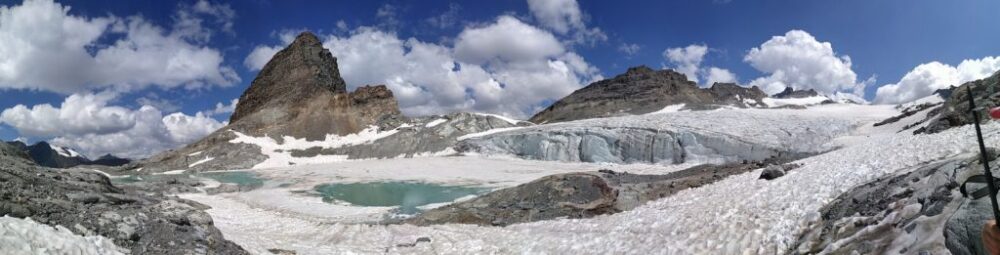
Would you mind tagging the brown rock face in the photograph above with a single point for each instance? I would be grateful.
(297, 72)
(643, 90)
(300, 93)
(373, 102)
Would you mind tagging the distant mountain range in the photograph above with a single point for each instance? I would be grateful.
(45, 154)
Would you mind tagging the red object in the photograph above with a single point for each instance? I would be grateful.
(995, 112)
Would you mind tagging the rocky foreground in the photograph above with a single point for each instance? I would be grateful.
(86, 203)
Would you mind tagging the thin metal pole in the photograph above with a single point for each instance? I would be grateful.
(985, 159)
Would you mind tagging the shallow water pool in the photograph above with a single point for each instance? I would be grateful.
(240, 178)
(406, 195)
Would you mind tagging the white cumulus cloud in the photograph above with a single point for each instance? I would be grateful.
(507, 40)
(715, 74)
(86, 121)
(799, 61)
(687, 60)
(924, 79)
(565, 18)
(44, 47)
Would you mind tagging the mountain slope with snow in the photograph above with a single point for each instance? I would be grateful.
(741, 213)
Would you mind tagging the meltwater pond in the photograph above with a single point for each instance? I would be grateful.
(408, 196)
(240, 178)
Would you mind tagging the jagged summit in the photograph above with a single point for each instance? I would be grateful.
(643, 90)
(304, 69)
(300, 93)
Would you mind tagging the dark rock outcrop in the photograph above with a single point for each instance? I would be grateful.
(110, 160)
(643, 90)
(904, 213)
(789, 92)
(578, 195)
(736, 95)
(955, 111)
(86, 203)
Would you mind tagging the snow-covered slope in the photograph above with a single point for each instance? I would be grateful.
(25, 236)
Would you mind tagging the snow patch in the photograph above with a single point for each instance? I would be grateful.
(932, 99)
(504, 118)
(669, 109)
(199, 162)
(194, 154)
(280, 154)
(435, 122)
(64, 151)
(25, 236)
(805, 101)
(171, 172)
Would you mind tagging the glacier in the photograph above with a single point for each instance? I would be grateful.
(719, 136)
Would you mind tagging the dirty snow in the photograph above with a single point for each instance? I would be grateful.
(25, 236)
(436, 122)
(199, 162)
(488, 132)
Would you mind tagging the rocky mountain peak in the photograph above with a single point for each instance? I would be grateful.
(644, 73)
(302, 70)
(789, 92)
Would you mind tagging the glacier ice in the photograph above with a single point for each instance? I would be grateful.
(671, 138)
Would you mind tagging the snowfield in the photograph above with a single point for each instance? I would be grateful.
(25, 236)
(737, 215)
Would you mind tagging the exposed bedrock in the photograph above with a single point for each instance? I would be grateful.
(918, 211)
(620, 145)
(86, 203)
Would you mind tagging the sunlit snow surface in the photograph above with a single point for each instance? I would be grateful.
(737, 215)
(279, 154)
(779, 102)
(25, 236)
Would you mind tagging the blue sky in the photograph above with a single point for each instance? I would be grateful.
(885, 40)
